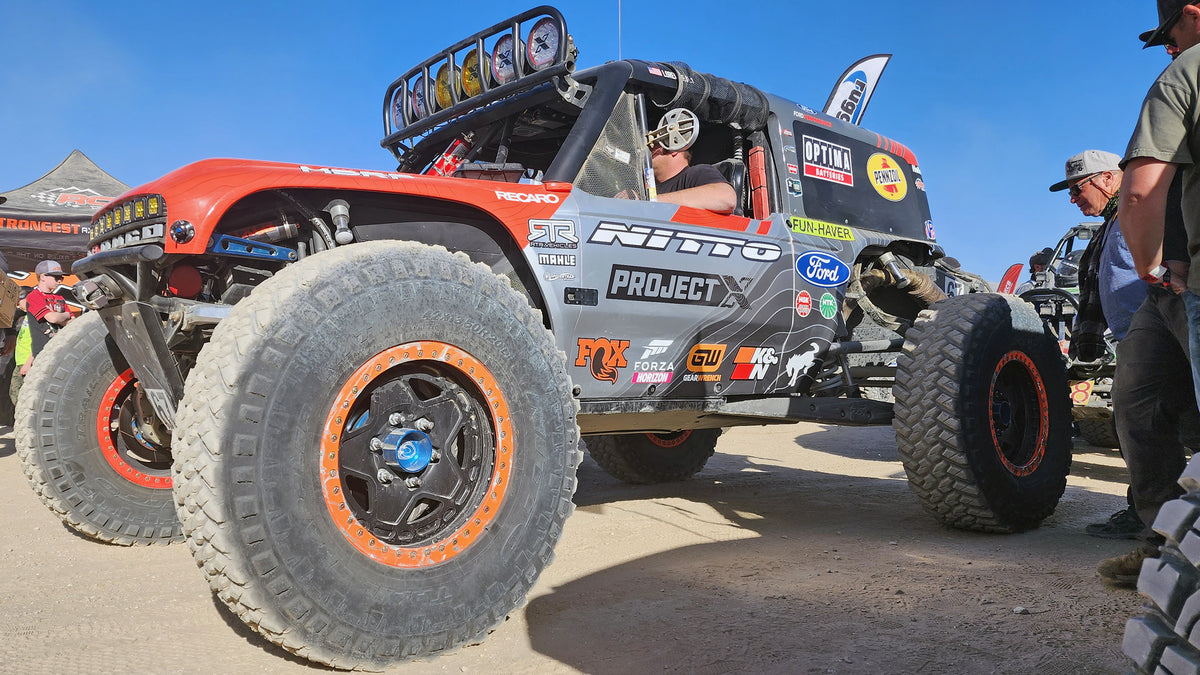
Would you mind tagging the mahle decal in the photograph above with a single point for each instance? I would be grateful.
(820, 228)
(604, 355)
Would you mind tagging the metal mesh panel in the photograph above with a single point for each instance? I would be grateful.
(615, 163)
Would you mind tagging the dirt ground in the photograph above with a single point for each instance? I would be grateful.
(799, 549)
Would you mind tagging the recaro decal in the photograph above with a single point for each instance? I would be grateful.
(659, 238)
(820, 228)
(822, 269)
(528, 197)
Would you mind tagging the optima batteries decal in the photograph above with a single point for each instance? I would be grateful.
(827, 161)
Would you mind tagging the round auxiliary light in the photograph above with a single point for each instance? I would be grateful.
(471, 73)
(420, 109)
(398, 108)
(542, 47)
(447, 77)
(504, 59)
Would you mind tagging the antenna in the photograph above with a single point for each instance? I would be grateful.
(618, 30)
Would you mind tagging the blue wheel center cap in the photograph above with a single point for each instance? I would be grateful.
(408, 449)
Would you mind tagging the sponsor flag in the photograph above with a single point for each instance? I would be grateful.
(849, 98)
(1009, 282)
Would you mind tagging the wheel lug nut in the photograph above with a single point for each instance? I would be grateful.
(396, 419)
(376, 445)
(384, 476)
(436, 456)
(412, 482)
(424, 425)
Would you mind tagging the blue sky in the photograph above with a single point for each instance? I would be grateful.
(992, 97)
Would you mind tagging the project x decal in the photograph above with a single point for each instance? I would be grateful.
(659, 238)
(827, 161)
(820, 228)
(603, 355)
(647, 284)
(822, 269)
(887, 177)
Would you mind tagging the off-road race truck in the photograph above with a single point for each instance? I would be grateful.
(359, 394)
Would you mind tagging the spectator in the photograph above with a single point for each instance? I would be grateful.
(46, 311)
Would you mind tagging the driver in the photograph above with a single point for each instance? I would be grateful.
(679, 182)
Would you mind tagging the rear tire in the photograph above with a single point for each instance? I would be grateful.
(1167, 635)
(982, 414)
(1100, 433)
(302, 528)
(645, 459)
(79, 449)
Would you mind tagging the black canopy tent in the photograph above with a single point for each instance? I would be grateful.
(50, 218)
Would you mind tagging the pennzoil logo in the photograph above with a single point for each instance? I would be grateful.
(887, 177)
(603, 355)
(820, 228)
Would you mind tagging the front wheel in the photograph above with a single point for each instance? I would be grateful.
(982, 415)
(80, 445)
(377, 455)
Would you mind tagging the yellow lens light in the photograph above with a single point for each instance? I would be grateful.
(128, 209)
(447, 77)
(139, 209)
(471, 73)
(153, 206)
(117, 217)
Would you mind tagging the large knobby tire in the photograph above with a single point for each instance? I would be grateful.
(80, 449)
(645, 459)
(1101, 433)
(982, 414)
(1168, 634)
(278, 480)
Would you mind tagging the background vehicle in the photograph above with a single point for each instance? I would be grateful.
(370, 385)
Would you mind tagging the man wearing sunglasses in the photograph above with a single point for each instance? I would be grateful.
(1152, 391)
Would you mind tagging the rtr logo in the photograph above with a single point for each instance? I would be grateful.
(604, 356)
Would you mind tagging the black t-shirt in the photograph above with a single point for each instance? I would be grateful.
(692, 176)
(1174, 236)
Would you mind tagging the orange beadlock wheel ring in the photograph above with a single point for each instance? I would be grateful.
(342, 511)
(1022, 375)
(108, 428)
(670, 440)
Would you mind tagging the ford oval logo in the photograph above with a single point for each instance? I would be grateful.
(822, 269)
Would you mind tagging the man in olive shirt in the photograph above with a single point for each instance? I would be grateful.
(1167, 138)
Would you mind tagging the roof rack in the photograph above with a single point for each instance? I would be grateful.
(467, 76)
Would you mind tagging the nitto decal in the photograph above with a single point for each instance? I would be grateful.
(886, 177)
(828, 306)
(604, 355)
(799, 364)
(828, 161)
(753, 363)
(803, 303)
(702, 363)
(528, 197)
(647, 284)
(822, 269)
(658, 238)
(820, 228)
(552, 233)
(556, 259)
